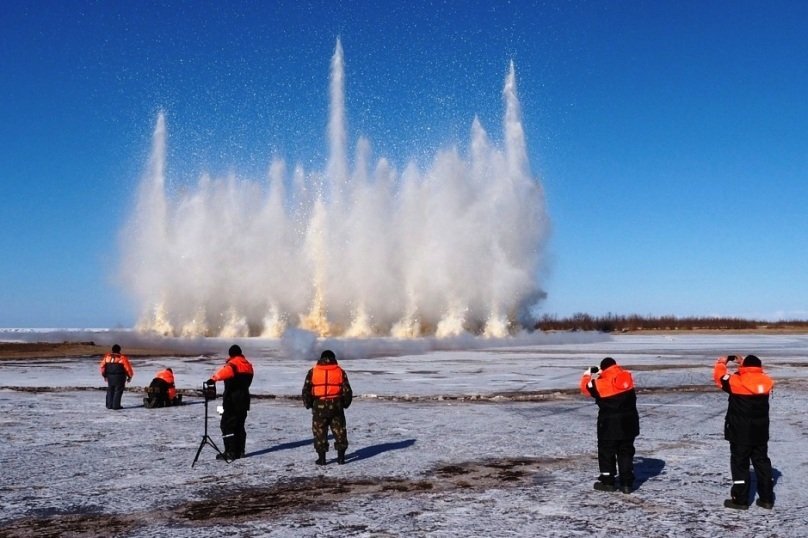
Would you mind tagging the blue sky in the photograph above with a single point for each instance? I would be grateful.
(670, 137)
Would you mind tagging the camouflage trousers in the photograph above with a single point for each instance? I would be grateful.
(325, 414)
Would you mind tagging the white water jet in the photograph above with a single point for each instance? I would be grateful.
(359, 249)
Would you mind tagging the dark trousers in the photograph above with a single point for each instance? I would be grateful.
(157, 394)
(115, 384)
(740, 456)
(233, 432)
(614, 455)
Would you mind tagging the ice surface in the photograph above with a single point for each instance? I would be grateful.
(482, 441)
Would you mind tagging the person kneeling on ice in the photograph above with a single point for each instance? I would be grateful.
(746, 427)
(328, 393)
(161, 392)
(618, 422)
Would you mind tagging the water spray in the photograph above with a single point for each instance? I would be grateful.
(359, 249)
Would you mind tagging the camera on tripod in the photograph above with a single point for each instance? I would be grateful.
(209, 393)
(209, 390)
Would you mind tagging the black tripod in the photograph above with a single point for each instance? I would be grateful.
(209, 391)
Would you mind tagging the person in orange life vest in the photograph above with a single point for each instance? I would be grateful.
(746, 427)
(618, 422)
(116, 371)
(162, 392)
(237, 375)
(327, 392)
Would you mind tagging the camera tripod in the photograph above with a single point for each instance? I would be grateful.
(206, 440)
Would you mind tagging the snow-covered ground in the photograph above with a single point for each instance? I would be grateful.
(475, 438)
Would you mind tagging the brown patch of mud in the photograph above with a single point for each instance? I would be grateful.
(664, 366)
(549, 395)
(319, 492)
(232, 505)
(48, 350)
(757, 330)
(76, 524)
(130, 389)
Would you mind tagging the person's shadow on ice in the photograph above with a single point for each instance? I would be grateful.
(283, 446)
(360, 454)
(776, 474)
(645, 469)
(375, 450)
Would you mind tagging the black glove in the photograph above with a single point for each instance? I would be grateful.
(594, 370)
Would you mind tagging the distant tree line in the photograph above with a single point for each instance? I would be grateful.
(614, 323)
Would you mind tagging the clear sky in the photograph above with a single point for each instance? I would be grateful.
(670, 137)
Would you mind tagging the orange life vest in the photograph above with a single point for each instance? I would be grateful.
(747, 381)
(326, 380)
(237, 365)
(611, 382)
(168, 377)
(116, 358)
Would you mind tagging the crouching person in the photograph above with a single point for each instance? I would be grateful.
(161, 392)
(327, 393)
(618, 422)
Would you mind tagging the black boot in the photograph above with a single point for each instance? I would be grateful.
(241, 444)
(603, 486)
(341, 457)
(320, 458)
(732, 503)
(230, 453)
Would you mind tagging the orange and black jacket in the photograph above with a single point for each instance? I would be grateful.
(327, 381)
(237, 375)
(115, 364)
(614, 393)
(168, 378)
(747, 419)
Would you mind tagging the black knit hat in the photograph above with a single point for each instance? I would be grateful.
(327, 357)
(116, 348)
(751, 360)
(234, 351)
(605, 363)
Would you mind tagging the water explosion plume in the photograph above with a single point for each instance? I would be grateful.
(357, 250)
